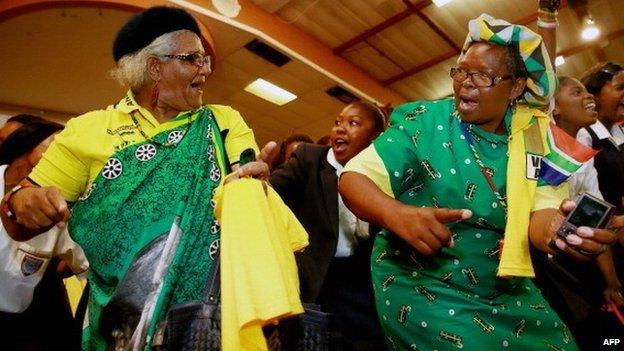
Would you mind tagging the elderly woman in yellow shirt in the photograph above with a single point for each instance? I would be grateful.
(141, 171)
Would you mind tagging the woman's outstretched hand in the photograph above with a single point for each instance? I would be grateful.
(424, 227)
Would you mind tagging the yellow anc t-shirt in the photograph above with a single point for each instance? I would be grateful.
(80, 151)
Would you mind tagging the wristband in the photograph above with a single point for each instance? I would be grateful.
(547, 16)
(545, 24)
(6, 207)
(547, 13)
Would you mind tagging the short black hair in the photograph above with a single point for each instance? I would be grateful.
(379, 113)
(324, 140)
(25, 139)
(26, 119)
(599, 75)
(280, 158)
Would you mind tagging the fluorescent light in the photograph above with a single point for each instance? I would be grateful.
(440, 3)
(559, 61)
(270, 92)
(228, 8)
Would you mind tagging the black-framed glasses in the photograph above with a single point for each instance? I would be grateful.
(197, 59)
(479, 79)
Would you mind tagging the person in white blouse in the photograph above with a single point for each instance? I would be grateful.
(32, 296)
(334, 270)
(606, 83)
(575, 109)
(577, 291)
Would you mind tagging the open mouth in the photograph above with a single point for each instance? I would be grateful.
(198, 85)
(620, 109)
(590, 106)
(339, 145)
(466, 103)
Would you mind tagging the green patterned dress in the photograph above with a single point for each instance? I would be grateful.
(136, 198)
(453, 300)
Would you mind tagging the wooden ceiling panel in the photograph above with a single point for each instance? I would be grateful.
(615, 50)
(249, 62)
(271, 6)
(569, 31)
(45, 64)
(453, 17)
(607, 14)
(307, 75)
(235, 39)
(288, 81)
(261, 123)
(331, 106)
(410, 42)
(432, 83)
(257, 103)
(326, 107)
(366, 12)
(372, 62)
(225, 81)
(299, 113)
(575, 65)
(317, 130)
(327, 20)
(40, 81)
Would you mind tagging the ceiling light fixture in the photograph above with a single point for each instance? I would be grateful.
(270, 92)
(228, 8)
(440, 3)
(590, 31)
(560, 60)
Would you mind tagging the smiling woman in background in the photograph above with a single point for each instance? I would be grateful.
(578, 290)
(606, 83)
(140, 171)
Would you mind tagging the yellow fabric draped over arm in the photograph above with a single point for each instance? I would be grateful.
(259, 281)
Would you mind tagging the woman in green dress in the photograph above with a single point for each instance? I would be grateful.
(449, 180)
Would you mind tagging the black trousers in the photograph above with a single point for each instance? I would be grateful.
(347, 294)
(47, 324)
(574, 291)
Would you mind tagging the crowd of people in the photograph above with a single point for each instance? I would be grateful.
(431, 226)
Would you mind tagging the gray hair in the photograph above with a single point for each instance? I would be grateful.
(131, 69)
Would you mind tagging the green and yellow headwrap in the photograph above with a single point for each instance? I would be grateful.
(542, 81)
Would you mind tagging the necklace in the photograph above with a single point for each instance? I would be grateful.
(154, 141)
(485, 171)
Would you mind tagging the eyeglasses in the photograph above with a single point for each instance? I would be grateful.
(480, 80)
(196, 58)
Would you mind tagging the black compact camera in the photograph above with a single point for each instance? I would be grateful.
(589, 212)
